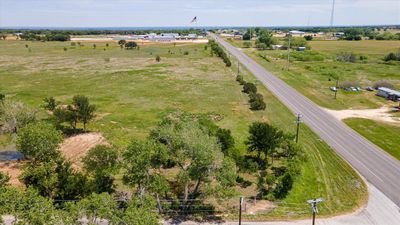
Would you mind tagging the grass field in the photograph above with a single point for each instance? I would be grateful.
(382, 134)
(314, 74)
(132, 91)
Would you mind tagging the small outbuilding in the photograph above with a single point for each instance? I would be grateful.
(389, 93)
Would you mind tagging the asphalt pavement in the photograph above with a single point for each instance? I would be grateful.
(374, 164)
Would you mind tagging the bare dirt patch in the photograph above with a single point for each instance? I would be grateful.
(13, 169)
(73, 148)
(383, 114)
(77, 146)
(259, 206)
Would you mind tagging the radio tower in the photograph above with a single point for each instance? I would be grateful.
(332, 13)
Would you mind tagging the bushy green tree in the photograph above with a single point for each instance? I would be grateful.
(257, 101)
(84, 109)
(101, 162)
(141, 161)
(50, 103)
(121, 43)
(249, 88)
(227, 174)
(97, 207)
(39, 142)
(140, 211)
(263, 139)
(66, 115)
(296, 42)
(42, 177)
(225, 139)
(130, 45)
(308, 37)
(197, 154)
(265, 37)
(27, 207)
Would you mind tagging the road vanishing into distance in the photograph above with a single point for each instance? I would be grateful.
(375, 165)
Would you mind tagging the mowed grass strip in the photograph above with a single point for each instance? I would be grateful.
(383, 135)
(132, 91)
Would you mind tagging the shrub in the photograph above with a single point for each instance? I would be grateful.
(240, 80)
(308, 37)
(392, 56)
(158, 58)
(383, 83)
(249, 88)
(130, 45)
(50, 103)
(185, 53)
(347, 84)
(346, 57)
(257, 102)
(73, 44)
(283, 186)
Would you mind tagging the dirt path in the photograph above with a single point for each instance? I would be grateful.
(382, 114)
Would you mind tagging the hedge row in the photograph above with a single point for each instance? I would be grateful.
(216, 49)
(256, 99)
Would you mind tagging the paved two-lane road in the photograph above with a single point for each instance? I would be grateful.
(379, 168)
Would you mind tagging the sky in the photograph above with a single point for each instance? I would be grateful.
(144, 13)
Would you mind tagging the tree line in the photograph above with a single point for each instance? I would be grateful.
(104, 32)
(220, 52)
(49, 36)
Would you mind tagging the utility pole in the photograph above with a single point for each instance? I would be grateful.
(337, 88)
(238, 68)
(240, 210)
(313, 203)
(298, 121)
(332, 13)
(288, 54)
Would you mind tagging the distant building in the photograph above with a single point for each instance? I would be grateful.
(389, 93)
(339, 34)
(296, 33)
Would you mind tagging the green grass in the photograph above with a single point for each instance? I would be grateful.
(133, 91)
(313, 77)
(383, 135)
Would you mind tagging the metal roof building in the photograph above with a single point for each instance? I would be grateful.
(389, 93)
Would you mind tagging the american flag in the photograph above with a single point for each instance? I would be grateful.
(194, 20)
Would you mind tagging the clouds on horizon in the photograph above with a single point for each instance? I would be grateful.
(84, 13)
